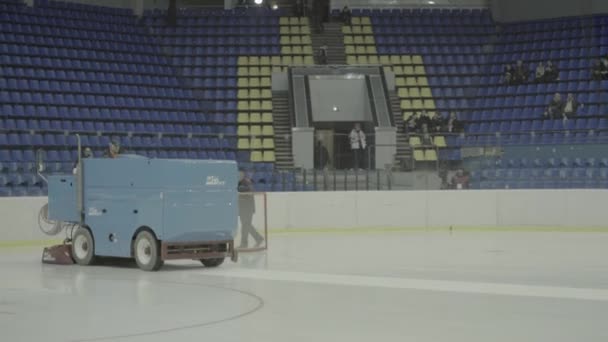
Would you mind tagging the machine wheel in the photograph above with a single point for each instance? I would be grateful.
(145, 250)
(215, 262)
(83, 247)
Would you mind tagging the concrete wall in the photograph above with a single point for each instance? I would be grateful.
(350, 96)
(400, 209)
(519, 10)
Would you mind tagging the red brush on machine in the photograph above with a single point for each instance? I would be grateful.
(58, 254)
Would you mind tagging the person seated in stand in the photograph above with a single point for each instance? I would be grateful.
(424, 119)
(411, 123)
(508, 74)
(604, 68)
(555, 108)
(87, 153)
(113, 150)
(570, 107)
(438, 123)
(425, 137)
(551, 72)
(521, 72)
(346, 15)
(460, 180)
(540, 72)
(454, 125)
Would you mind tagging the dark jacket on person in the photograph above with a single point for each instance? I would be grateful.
(246, 201)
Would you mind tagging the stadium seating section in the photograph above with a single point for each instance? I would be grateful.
(202, 89)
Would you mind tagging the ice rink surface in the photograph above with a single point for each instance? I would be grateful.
(389, 286)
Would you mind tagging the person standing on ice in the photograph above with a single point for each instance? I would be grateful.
(246, 211)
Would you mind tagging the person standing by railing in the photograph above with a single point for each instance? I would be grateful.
(357, 145)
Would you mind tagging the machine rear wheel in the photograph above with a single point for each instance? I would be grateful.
(146, 252)
(83, 247)
(215, 262)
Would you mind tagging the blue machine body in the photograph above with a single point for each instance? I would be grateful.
(181, 201)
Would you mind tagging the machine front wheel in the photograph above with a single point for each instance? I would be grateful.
(215, 262)
(83, 247)
(146, 252)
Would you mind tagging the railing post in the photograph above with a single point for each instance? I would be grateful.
(303, 179)
(356, 179)
(378, 185)
(367, 180)
(345, 180)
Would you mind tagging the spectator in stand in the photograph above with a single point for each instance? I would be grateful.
(346, 15)
(551, 72)
(357, 145)
(596, 70)
(439, 123)
(570, 107)
(321, 156)
(508, 76)
(322, 55)
(460, 180)
(520, 72)
(555, 109)
(426, 138)
(409, 126)
(540, 72)
(454, 125)
(424, 119)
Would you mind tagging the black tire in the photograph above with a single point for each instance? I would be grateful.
(146, 252)
(83, 247)
(215, 262)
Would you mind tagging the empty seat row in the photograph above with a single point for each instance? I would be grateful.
(244, 94)
(255, 106)
(359, 40)
(450, 41)
(256, 144)
(255, 130)
(295, 30)
(225, 51)
(538, 125)
(295, 40)
(361, 50)
(269, 40)
(551, 88)
(254, 117)
(61, 46)
(528, 139)
(427, 50)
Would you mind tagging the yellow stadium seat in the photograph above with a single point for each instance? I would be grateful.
(304, 21)
(243, 118)
(406, 104)
(283, 21)
(297, 50)
(243, 82)
(294, 30)
(254, 82)
(358, 40)
(254, 93)
(267, 117)
(275, 60)
(255, 118)
(395, 60)
(308, 60)
(268, 144)
(418, 155)
(350, 59)
(349, 49)
(348, 40)
(243, 60)
(400, 81)
(430, 155)
(408, 70)
(387, 69)
(373, 60)
(298, 60)
(242, 94)
(365, 21)
(254, 71)
(284, 30)
(277, 68)
(269, 156)
(265, 61)
(265, 82)
(285, 40)
(362, 60)
(423, 81)
(417, 104)
(243, 144)
(425, 92)
(346, 30)
(417, 59)
(266, 105)
(406, 60)
(294, 21)
(242, 130)
(398, 70)
(268, 131)
(307, 50)
(265, 71)
(266, 94)
(439, 141)
(243, 106)
(355, 21)
(255, 130)
(429, 104)
(295, 40)
(254, 60)
(385, 60)
(286, 60)
(286, 50)
(243, 71)
(255, 144)
(356, 29)
(367, 30)
(306, 40)
(407, 115)
(415, 141)
(419, 70)
(254, 105)
(360, 50)
(410, 81)
(403, 93)
(256, 156)
(305, 30)
(369, 40)
(414, 92)
(371, 50)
